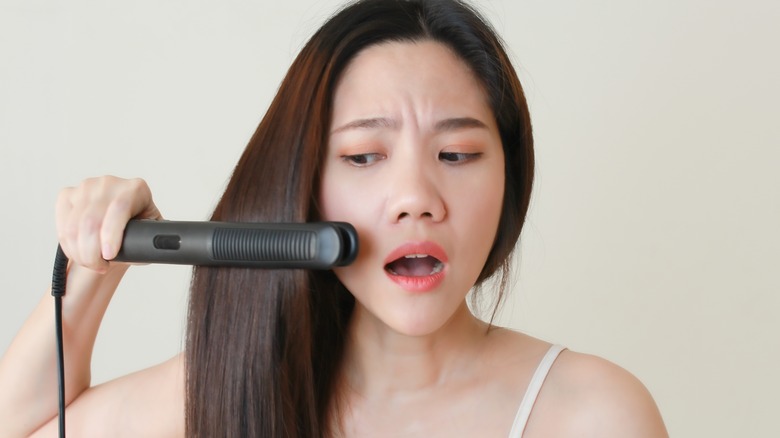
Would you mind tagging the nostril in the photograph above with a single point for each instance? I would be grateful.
(425, 214)
(407, 215)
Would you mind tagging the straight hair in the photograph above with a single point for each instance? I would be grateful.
(264, 347)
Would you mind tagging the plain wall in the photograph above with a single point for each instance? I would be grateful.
(653, 235)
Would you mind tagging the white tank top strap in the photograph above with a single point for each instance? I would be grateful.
(527, 405)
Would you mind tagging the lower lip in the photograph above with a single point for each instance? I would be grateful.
(418, 284)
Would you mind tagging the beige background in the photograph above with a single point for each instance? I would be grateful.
(653, 236)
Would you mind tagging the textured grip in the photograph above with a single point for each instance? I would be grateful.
(317, 245)
(264, 245)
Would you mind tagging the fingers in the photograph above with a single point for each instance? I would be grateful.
(132, 199)
(91, 218)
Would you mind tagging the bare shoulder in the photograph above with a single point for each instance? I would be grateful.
(585, 395)
(148, 403)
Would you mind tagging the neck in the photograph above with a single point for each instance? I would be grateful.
(380, 362)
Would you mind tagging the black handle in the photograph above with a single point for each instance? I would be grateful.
(316, 245)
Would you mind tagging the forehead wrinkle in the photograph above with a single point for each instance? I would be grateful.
(369, 123)
(445, 125)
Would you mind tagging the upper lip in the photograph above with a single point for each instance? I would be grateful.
(426, 247)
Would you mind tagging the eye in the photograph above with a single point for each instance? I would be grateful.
(458, 157)
(362, 160)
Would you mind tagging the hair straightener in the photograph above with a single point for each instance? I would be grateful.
(316, 245)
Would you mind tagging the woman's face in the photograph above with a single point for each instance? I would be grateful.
(415, 163)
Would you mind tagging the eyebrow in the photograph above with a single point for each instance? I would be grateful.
(457, 123)
(372, 123)
(451, 124)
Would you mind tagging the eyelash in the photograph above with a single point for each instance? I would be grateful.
(365, 160)
(362, 160)
(458, 157)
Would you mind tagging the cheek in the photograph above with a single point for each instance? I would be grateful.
(330, 196)
(481, 203)
(494, 200)
(482, 198)
(349, 196)
(340, 200)
(343, 200)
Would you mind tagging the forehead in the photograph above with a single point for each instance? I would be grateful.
(425, 76)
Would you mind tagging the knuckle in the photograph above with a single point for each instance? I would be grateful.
(120, 205)
(138, 186)
(64, 195)
(91, 223)
(70, 231)
(89, 184)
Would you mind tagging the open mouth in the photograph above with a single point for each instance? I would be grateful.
(415, 265)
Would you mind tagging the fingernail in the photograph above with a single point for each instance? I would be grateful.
(107, 255)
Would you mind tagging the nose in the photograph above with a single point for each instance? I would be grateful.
(414, 194)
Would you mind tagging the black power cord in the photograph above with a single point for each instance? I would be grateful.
(58, 280)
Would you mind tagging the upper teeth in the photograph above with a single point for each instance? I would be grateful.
(416, 256)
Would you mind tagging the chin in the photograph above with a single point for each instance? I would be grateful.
(423, 328)
(404, 313)
(418, 322)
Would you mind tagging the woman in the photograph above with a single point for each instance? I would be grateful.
(406, 119)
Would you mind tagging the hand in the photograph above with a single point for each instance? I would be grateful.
(91, 218)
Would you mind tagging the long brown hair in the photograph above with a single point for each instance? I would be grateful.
(264, 347)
